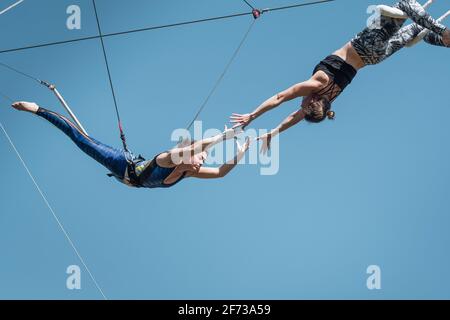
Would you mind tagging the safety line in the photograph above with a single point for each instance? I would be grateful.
(296, 5)
(52, 211)
(249, 4)
(20, 72)
(34, 180)
(159, 27)
(122, 135)
(222, 76)
(123, 33)
(11, 6)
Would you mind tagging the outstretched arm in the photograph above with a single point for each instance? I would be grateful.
(290, 121)
(221, 172)
(418, 14)
(176, 156)
(302, 89)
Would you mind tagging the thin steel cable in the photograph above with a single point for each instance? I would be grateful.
(219, 80)
(297, 5)
(20, 72)
(159, 27)
(122, 134)
(11, 7)
(126, 32)
(52, 211)
(248, 3)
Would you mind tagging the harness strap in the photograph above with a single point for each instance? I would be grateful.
(146, 173)
(133, 178)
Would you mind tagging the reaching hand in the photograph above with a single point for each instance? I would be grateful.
(240, 120)
(266, 141)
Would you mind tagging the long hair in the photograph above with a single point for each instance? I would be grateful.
(317, 111)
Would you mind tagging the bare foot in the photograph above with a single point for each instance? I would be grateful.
(26, 106)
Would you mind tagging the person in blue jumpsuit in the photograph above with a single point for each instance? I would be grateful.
(164, 170)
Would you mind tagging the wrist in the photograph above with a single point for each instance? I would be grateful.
(274, 132)
(226, 135)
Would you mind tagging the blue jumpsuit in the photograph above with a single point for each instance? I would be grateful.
(114, 160)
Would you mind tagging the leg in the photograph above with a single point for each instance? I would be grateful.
(417, 13)
(435, 39)
(113, 159)
(431, 37)
(402, 38)
(396, 13)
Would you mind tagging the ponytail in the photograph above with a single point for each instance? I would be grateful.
(331, 115)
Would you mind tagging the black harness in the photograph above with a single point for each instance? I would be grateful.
(133, 178)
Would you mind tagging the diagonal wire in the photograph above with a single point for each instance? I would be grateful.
(122, 134)
(297, 5)
(49, 44)
(248, 3)
(106, 61)
(19, 72)
(219, 80)
(52, 211)
(11, 7)
(126, 32)
(160, 27)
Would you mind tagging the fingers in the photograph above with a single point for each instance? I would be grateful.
(248, 142)
(238, 145)
(263, 149)
(16, 105)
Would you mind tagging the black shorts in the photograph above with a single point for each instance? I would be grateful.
(339, 71)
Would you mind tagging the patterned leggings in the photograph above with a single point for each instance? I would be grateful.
(376, 43)
(407, 34)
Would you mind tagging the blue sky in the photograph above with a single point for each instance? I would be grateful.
(368, 188)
